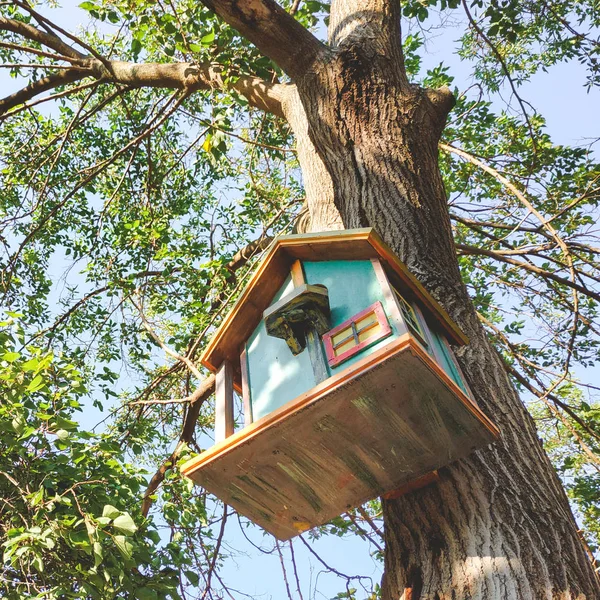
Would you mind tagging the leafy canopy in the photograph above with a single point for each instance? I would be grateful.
(131, 216)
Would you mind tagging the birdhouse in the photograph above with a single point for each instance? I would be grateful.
(349, 383)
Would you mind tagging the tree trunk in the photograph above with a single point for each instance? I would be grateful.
(497, 525)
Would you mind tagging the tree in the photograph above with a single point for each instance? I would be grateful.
(498, 524)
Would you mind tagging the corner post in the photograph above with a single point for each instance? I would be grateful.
(224, 402)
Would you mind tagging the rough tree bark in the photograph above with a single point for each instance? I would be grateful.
(498, 524)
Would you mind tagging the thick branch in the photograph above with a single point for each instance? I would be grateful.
(259, 93)
(41, 85)
(273, 31)
(41, 37)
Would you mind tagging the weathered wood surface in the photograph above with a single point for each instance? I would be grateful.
(224, 402)
(370, 433)
(307, 306)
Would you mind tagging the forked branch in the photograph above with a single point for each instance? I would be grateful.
(273, 31)
(185, 76)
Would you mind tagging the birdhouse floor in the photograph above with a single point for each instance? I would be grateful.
(370, 429)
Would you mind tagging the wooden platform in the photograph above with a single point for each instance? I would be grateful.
(356, 436)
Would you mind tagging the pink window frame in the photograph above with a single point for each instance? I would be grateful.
(382, 320)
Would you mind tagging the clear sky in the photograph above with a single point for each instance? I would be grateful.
(572, 118)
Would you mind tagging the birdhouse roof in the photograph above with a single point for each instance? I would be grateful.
(350, 244)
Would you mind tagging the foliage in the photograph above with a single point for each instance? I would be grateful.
(70, 519)
(122, 211)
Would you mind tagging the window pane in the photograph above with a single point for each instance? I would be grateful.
(364, 322)
(341, 336)
(370, 331)
(346, 346)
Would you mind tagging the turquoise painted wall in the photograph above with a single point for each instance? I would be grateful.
(276, 376)
(352, 286)
(447, 362)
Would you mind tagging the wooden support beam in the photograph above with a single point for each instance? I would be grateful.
(411, 486)
(315, 352)
(224, 402)
(297, 273)
(248, 417)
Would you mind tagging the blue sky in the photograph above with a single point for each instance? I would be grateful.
(572, 118)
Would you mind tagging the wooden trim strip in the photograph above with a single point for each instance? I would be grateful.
(412, 486)
(246, 388)
(297, 273)
(406, 342)
(390, 298)
(224, 402)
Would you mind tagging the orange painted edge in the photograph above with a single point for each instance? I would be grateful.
(314, 394)
(297, 272)
(368, 235)
(411, 486)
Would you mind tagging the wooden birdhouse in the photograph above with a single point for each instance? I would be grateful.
(349, 384)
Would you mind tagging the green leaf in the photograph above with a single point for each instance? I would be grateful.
(35, 384)
(125, 523)
(98, 556)
(208, 39)
(31, 364)
(110, 511)
(62, 435)
(11, 356)
(124, 545)
(192, 577)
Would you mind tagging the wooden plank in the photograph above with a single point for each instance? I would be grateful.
(297, 272)
(380, 426)
(246, 388)
(412, 486)
(394, 309)
(224, 402)
(315, 351)
(460, 371)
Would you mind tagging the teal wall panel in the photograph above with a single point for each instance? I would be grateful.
(276, 376)
(447, 362)
(352, 286)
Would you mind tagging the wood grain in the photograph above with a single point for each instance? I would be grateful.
(224, 402)
(376, 426)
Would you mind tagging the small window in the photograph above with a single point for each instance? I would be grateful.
(411, 319)
(356, 334)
